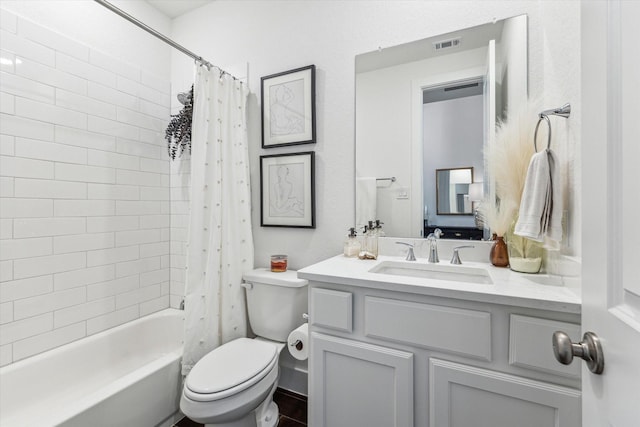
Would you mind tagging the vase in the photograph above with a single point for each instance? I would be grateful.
(525, 255)
(499, 254)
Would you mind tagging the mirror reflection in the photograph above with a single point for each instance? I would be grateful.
(452, 191)
(431, 105)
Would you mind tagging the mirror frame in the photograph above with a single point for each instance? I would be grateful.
(470, 168)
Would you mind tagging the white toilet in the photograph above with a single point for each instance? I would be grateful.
(233, 385)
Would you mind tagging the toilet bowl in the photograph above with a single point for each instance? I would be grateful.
(227, 385)
(233, 385)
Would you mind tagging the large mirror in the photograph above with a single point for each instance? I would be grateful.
(431, 106)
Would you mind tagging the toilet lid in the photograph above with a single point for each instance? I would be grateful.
(236, 362)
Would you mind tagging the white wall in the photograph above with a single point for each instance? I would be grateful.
(274, 36)
(84, 173)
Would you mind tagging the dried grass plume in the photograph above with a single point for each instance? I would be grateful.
(498, 216)
(507, 162)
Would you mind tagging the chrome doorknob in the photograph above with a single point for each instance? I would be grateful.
(589, 349)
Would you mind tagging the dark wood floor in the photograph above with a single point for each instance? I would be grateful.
(292, 407)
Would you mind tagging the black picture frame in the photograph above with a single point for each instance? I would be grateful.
(288, 109)
(287, 190)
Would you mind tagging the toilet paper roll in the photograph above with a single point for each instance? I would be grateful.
(298, 342)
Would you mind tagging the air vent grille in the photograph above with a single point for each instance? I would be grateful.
(446, 44)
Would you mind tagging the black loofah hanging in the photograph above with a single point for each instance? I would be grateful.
(178, 133)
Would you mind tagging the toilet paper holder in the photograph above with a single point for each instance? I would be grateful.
(298, 344)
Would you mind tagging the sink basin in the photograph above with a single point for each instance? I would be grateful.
(454, 273)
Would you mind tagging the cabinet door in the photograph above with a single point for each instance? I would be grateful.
(465, 396)
(358, 384)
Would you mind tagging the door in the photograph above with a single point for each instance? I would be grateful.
(610, 208)
(359, 384)
(463, 395)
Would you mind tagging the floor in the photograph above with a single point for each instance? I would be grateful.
(292, 406)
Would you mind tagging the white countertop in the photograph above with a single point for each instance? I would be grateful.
(539, 291)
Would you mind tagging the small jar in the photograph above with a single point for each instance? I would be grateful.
(278, 263)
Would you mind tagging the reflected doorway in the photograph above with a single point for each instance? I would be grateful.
(453, 138)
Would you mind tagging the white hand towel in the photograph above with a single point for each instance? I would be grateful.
(554, 225)
(366, 200)
(540, 214)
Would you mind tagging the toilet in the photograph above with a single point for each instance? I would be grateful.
(233, 385)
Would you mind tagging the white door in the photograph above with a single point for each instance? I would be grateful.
(611, 208)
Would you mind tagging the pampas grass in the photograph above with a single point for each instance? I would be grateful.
(498, 215)
(507, 162)
(508, 158)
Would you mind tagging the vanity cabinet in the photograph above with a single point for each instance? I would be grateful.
(388, 358)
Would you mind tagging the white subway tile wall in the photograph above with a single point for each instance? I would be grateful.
(85, 181)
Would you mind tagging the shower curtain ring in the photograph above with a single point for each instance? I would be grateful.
(535, 134)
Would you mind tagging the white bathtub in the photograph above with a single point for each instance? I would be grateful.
(125, 376)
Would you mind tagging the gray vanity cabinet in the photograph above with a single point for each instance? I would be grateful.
(380, 358)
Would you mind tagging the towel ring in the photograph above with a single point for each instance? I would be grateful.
(535, 134)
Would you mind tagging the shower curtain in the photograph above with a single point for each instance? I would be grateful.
(220, 244)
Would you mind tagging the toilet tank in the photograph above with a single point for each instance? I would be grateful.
(275, 302)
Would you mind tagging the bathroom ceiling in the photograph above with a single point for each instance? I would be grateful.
(175, 8)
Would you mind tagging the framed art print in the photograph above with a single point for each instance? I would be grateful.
(289, 107)
(287, 194)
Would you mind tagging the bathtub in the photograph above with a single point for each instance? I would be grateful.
(126, 376)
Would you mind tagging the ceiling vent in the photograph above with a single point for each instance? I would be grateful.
(447, 44)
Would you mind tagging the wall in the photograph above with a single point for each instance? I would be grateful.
(274, 36)
(84, 173)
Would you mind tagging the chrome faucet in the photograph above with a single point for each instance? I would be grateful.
(410, 255)
(433, 245)
(455, 259)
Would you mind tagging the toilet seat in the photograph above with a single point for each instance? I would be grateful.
(230, 369)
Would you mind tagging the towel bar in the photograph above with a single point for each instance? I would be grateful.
(564, 111)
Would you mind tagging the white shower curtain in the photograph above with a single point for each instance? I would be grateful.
(220, 244)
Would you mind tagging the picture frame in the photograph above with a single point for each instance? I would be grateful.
(288, 107)
(287, 190)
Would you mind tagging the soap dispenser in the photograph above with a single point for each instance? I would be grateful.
(351, 245)
(373, 240)
(379, 231)
(366, 243)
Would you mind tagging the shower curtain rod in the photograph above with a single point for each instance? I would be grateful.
(162, 37)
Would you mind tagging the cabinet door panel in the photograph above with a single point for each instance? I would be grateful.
(450, 329)
(529, 344)
(465, 396)
(332, 309)
(359, 384)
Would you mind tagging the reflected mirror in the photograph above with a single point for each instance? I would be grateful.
(452, 191)
(432, 105)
